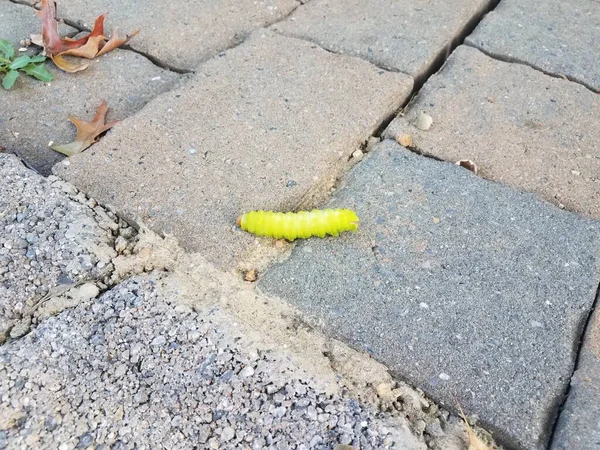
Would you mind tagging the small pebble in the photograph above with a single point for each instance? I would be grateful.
(423, 122)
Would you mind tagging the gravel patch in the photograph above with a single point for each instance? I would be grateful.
(131, 370)
(50, 234)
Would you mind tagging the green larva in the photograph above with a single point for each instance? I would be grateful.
(302, 224)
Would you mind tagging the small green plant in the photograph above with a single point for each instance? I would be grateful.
(10, 66)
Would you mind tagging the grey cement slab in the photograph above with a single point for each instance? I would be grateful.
(406, 35)
(268, 125)
(469, 289)
(181, 34)
(19, 22)
(33, 113)
(579, 423)
(519, 126)
(561, 38)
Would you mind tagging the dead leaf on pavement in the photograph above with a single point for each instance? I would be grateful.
(467, 164)
(90, 46)
(87, 133)
(475, 443)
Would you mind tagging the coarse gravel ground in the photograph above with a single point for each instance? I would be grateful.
(50, 234)
(131, 370)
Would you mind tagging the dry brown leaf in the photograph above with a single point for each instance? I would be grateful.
(87, 133)
(68, 66)
(404, 140)
(89, 50)
(251, 275)
(474, 442)
(89, 47)
(53, 43)
(115, 42)
(467, 164)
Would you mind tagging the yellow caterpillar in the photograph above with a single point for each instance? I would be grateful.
(303, 224)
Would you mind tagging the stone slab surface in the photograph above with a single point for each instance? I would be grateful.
(49, 235)
(136, 369)
(557, 37)
(406, 35)
(519, 126)
(34, 113)
(461, 286)
(268, 125)
(579, 423)
(181, 34)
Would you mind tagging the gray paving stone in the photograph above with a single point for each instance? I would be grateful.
(182, 34)
(34, 113)
(519, 126)
(461, 286)
(579, 423)
(269, 125)
(405, 35)
(557, 37)
(18, 22)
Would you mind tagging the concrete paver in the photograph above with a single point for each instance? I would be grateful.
(461, 286)
(34, 113)
(407, 35)
(270, 124)
(561, 38)
(579, 425)
(519, 126)
(181, 34)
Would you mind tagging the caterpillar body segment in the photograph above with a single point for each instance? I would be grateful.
(303, 224)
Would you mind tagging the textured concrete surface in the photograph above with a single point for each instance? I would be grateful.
(269, 124)
(405, 35)
(561, 38)
(49, 235)
(519, 126)
(19, 22)
(34, 113)
(461, 286)
(579, 423)
(182, 34)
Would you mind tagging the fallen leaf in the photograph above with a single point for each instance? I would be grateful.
(68, 66)
(251, 275)
(404, 140)
(87, 133)
(115, 42)
(90, 46)
(467, 164)
(53, 44)
(475, 443)
(89, 50)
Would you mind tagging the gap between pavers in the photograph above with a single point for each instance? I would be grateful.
(469, 289)
(267, 125)
(561, 38)
(407, 36)
(181, 34)
(578, 426)
(519, 126)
